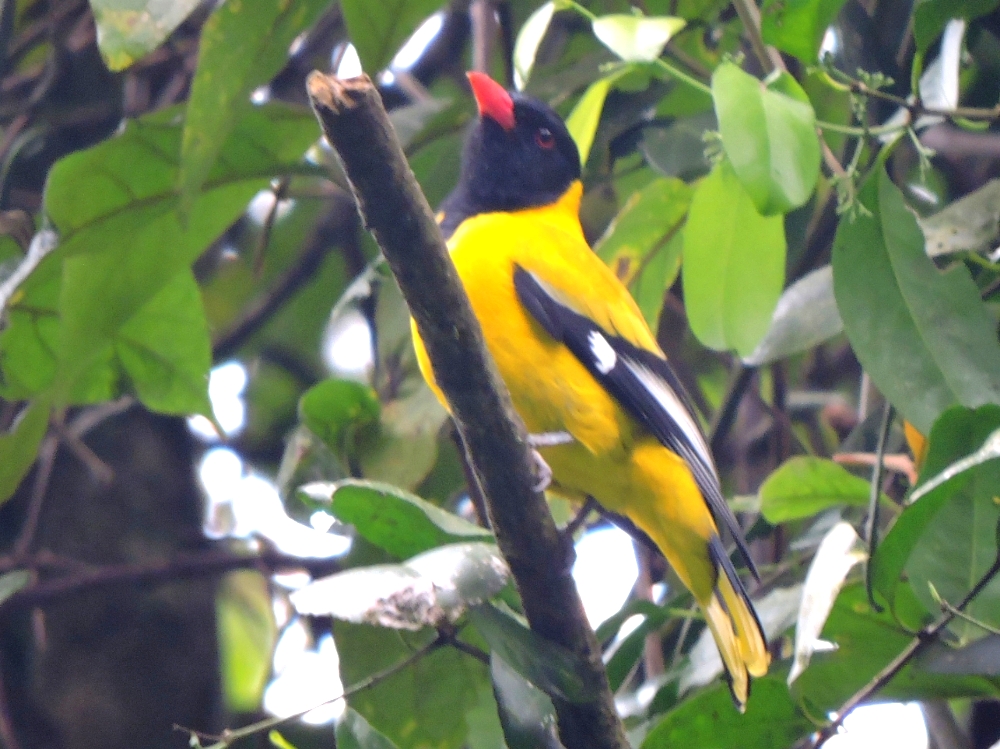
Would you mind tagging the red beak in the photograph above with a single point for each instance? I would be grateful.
(493, 101)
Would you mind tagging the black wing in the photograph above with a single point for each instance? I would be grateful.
(642, 382)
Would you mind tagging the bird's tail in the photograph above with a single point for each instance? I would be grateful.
(735, 627)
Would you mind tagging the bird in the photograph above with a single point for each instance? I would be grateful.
(606, 414)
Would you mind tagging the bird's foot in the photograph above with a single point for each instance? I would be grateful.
(542, 470)
(550, 439)
(543, 473)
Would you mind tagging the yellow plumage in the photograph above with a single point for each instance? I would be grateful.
(612, 458)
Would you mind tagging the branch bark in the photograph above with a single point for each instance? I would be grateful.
(82, 578)
(918, 644)
(397, 213)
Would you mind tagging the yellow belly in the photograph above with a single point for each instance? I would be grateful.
(551, 389)
(612, 458)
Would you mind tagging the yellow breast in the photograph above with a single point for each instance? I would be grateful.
(551, 389)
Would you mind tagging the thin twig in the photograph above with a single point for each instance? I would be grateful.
(229, 736)
(922, 640)
(768, 57)
(471, 482)
(482, 14)
(101, 471)
(875, 491)
(8, 735)
(895, 462)
(942, 727)
(260, 311)
(589, 506)
(89, 418)
(463, 647)
(945, 606)
(726, 415)
(830, 159)
(43, 473)
(279, 192)
(652, 648)
(183, 566)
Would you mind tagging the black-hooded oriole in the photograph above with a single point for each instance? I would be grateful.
(579, 359)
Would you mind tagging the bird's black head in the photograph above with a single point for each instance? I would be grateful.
(519, 155)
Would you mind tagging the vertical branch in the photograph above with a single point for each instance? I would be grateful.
(871, 525)
(482, 14)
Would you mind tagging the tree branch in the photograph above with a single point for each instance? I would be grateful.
(230, 736)
(924, 638)
(181, 567)
(398, 215)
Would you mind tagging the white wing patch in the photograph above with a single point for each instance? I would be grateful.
(673, 406)
(605, 357)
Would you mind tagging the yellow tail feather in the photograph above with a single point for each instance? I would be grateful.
(729, 648)
(738, 636)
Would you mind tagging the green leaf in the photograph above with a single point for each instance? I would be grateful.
(550, 667)
(332, 408)
(583, 120)
(129, 29)
(354, 732)
(399, 522)
(797, 26)
(30, 340)
(19, 446)
(990, 450)
(954, 552)
(971, 223)
(378, 30)
(638, 244)
(12, 582)
(769, 135)
(952, 542)
(923, 335)
(428, 590)
(528, 39)
(708, 720)
(405, 447)
(115, 206)
(526, 712)
(423, 705)
(166, 350)
(636, 38)
(629, 650)
(279, 741)
(931, 16)
(485, 730)
(734, 264)
(247, 636)
(866, 642)
(804, 486)
(242, 47)
(958, 432)
(678, 150)
(981, 657)
(806, 316)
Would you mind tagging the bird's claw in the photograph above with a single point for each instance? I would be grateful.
(543, 473)
(542, 470)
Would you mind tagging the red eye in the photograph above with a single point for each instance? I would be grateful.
(545, 138)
